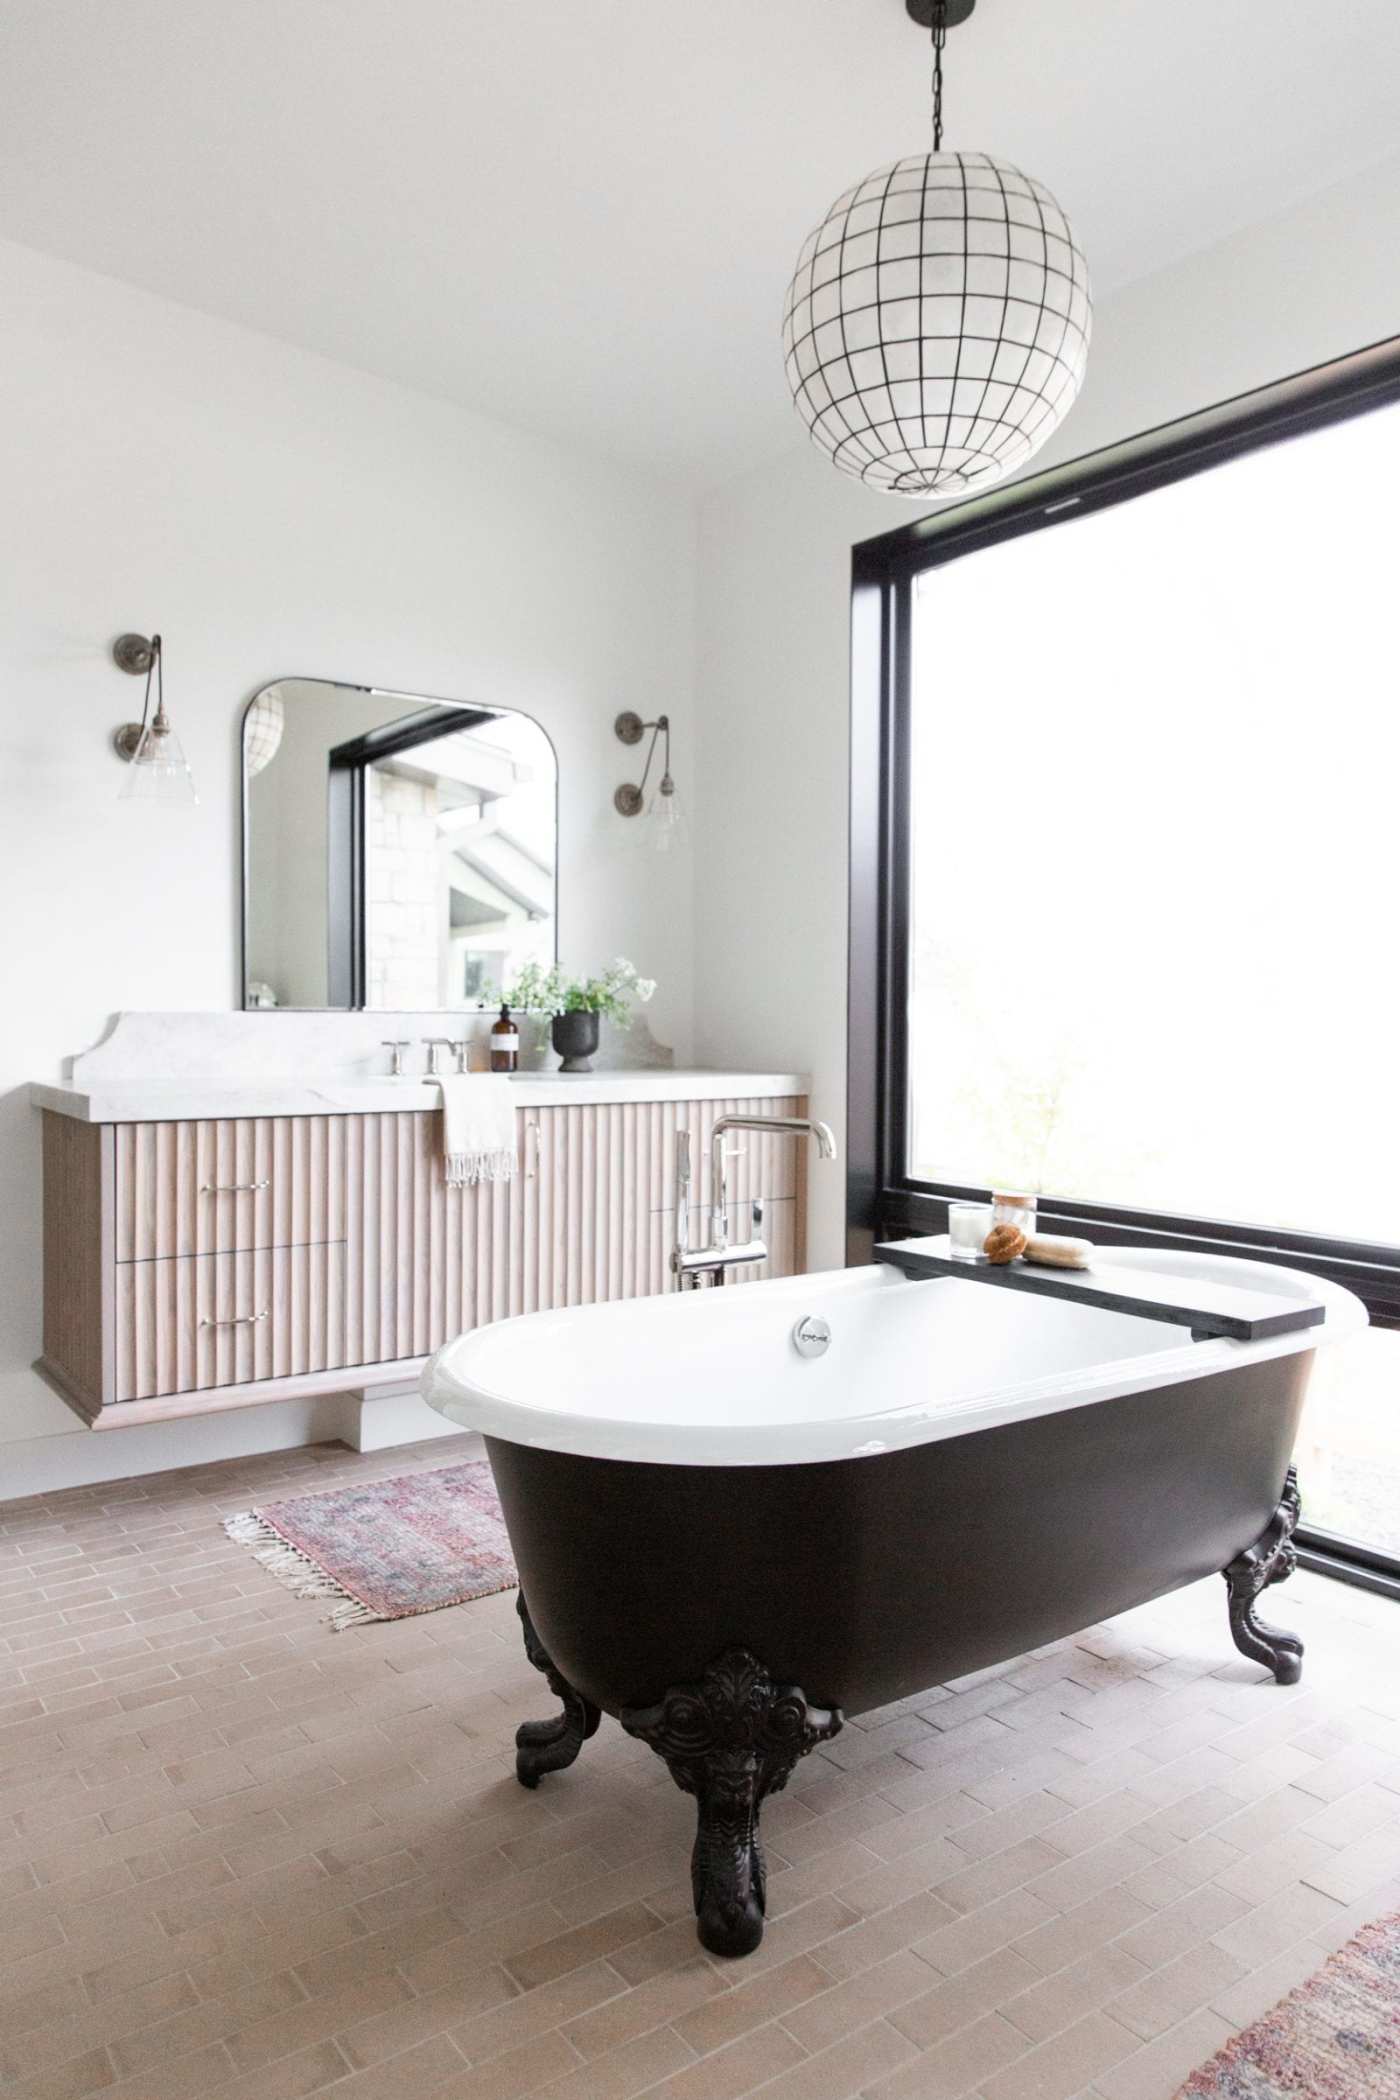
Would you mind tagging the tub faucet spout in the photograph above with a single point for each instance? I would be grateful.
(689, 1263)
(791, 1126)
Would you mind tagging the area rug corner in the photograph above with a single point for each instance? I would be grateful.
(388, 1549)
(1336, 2037)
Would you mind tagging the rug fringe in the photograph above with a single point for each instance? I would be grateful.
(295, 1570)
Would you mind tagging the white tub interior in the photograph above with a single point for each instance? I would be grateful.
(712, 1377)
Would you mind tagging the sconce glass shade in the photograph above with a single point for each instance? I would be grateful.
(663, 826)
(159, 772)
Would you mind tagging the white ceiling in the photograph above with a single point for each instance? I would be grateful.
(580, 215)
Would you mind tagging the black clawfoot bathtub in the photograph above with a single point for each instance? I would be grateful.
(727, 1544)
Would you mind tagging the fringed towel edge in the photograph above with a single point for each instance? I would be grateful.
(296, 1571)
(464, 1170)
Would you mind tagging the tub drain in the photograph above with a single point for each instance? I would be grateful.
(811, 1336)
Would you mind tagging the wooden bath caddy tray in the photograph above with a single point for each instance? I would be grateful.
(1208, 1309)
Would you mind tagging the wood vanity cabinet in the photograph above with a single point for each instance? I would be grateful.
(192, 1264)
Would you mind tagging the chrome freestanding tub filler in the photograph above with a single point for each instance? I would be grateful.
(739, 1514)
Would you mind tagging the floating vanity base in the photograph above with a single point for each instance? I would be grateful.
(194, 1262)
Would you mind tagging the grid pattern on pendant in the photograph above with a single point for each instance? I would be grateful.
(937, 325)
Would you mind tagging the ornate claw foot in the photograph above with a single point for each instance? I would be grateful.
(730, 1740)
(548, 1746)
(1270, 1559)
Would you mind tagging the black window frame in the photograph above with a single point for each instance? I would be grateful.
(347, 910)
(882, 1199)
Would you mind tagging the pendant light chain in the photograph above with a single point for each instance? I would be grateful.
(936, 327)
(940, 38)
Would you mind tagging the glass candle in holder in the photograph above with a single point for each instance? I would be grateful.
(968, 1226)
(1009, 1209)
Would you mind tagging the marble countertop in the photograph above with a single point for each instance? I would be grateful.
(124, 1100)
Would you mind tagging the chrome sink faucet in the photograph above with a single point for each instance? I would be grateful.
(689, 1264)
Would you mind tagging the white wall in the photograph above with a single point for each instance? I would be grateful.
(772, 679)
(275, 514)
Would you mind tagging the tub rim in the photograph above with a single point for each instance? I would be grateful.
(448, 1386)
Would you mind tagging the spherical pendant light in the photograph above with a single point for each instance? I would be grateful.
(937, 325)
(262, 730)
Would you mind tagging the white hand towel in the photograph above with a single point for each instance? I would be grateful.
(478, 1128)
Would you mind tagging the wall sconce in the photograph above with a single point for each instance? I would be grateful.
(664, 825)
(159, 771)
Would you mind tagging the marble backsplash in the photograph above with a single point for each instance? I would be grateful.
(279, 1044)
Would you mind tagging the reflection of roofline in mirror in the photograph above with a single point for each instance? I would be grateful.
(412, 702)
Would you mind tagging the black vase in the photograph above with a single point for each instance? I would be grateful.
(575, 1037)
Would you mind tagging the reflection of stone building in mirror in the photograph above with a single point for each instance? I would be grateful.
(400, 852)
(459, 868)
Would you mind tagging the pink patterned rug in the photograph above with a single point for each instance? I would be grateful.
(388, 1550)
(1337, 2037)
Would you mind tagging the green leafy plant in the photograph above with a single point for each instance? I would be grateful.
(553, 991)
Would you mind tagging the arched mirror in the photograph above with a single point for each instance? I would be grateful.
(398, 852)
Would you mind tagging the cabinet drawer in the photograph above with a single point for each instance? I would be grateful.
(187, 1323)
(230, 1186)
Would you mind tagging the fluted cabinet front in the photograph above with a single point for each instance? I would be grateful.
(264, 1250)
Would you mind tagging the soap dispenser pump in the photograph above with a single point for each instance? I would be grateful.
(505, 1043)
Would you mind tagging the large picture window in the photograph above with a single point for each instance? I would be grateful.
(1126, 753)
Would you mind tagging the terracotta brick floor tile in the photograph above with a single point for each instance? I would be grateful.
(958, 2065)
(244, 1856)
(1050, 2004)
(737, 2011)
(1074, 1933)
(873, 1994)
(1163, 1998)
(655, 2003)
(850, 1867)
(1032, 1814)
(960, 1942)
(1259, 1935)
(631, 2068)
(1058, 2068)
(290, 2077)
(515, 2073)
(971, 1888)
(526, 2014)
(410, 2075)
(731, 2073)
(1254, 1993)
(72, 2080)
(846, 2067)
(1155, 2072)
(547, 1959)
(1071, 1882)
(1165, 1934)
(859, 1946)
(999, 1981)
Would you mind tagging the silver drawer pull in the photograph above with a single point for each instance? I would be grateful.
(234, 1188)
(248, 1319)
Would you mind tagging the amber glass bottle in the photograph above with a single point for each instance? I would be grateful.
(505, 1044)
